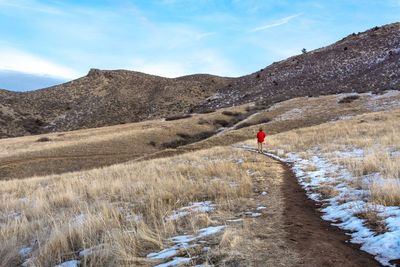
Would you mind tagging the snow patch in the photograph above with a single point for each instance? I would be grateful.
(176, 261)
(212, 230)
(71, 263)
(183, 242)
(291, 114)
(24, 252)
(78, 220)
(194, 207)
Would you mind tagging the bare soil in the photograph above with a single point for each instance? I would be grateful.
(318, 242)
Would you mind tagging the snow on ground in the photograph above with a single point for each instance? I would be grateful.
(176, 261)
(342, 208)
(295, 113)
(24, 252)
(183, 243)
(385, 246)
(194, 207)
(71, 263)
(78, 220)
(390, 99)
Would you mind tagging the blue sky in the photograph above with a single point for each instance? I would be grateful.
(64, 39)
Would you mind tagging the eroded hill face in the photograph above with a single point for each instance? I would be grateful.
(368, 61)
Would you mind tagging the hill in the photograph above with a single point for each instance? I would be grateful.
(102, 98)
(368, 61)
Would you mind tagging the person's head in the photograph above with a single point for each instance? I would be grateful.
(260, 129)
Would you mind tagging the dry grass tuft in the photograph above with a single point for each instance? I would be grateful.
(386, 194)
(373, 220)
(327, 191)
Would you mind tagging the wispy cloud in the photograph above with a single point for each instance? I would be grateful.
(31, 6)
(15, 60)
(204, 35)
(276, 23)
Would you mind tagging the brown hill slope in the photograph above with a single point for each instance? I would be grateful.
(368, 61)
(102, 98)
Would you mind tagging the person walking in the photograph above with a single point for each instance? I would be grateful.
(260, 140)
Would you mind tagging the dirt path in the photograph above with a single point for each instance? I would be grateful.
(315, 240)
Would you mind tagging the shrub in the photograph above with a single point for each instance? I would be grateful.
(152, 143)
(231, 113)
(183, 135)
(43, 139)
(223, 123)
(178, 117)
(188, 140)
(206, 111)
(202, 121)
(348, 99)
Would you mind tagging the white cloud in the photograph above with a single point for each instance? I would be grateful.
(164, 69)
(206, 61)
(16, 60)
(276, 23)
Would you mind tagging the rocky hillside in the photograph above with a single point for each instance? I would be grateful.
(102, 98)
(368, 61)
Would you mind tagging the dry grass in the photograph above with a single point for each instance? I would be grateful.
(373, 220)
(386, 194)
(90, 148)
(119, 210)
(327, 191)
(375, 133)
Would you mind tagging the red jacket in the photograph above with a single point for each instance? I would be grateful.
(260, 136)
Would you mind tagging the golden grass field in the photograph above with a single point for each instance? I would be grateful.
(111, 189)
(121, 210)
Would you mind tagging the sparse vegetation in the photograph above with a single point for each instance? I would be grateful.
(43, 139)
(231, 113)
(253, 122)
(348, 99)
(152, 143)
(202, 121)
(373, 220)
(178, 117)
(186, 139)
(222, 123)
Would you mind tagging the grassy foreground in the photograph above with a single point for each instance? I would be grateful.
(120, 210)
